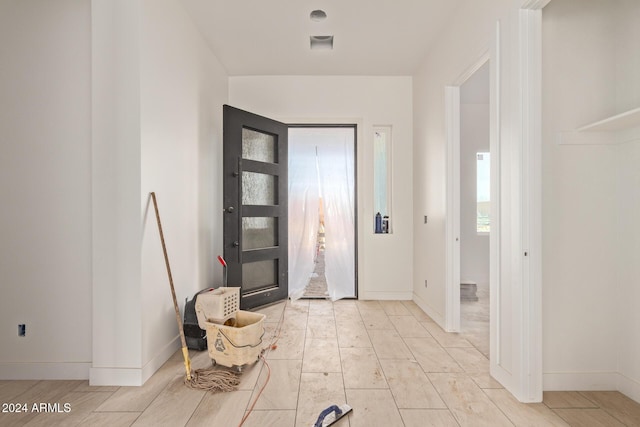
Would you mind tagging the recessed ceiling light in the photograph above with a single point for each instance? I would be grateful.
(321, 42)
(318, 15)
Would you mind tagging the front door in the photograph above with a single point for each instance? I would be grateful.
(255, 206)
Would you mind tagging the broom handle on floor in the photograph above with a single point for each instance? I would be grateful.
(185, 351)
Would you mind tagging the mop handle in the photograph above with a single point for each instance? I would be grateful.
(185, 352)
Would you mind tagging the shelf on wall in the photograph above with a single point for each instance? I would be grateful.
(618, 129)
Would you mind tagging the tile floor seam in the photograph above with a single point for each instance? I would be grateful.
(25, 391)
(426, 373)
(194, 409)
(256, 386)
(497, 406)
(154, 399)
(344, 388)
(557, 414)
(373, 347)
(602, 408)
(304, 347)
(597, 405)
(82, 422)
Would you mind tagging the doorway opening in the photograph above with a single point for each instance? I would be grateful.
(322, 211)
(475, 208)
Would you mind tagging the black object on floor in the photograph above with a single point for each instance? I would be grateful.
(196, 337)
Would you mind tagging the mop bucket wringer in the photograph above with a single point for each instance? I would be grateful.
(234, 337)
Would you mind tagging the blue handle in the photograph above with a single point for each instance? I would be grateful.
(326, 412)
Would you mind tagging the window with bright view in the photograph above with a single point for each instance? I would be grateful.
(382, 174)
(483, 182)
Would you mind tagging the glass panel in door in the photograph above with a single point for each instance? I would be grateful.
(258, 146)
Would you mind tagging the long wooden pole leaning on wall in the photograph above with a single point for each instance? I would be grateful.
(185, 350)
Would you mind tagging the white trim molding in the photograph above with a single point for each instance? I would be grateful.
(429, 310)
(587, 381)
(619, 129)
(452, 256)
(383, 295)
(117, 376)
(530, 28)
(44, 370)
(534, 4)
(628, 386)
(495, 254)
(592, 381)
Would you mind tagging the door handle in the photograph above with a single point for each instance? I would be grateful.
(235, 244)
(230, 209)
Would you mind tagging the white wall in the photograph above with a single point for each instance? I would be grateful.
(101, 103)
(45, 188)
(467, 38)
(474, 138)
(628, 97)
(590, 199)
(629, 269)
(115, 179)
(384, 261)
(157, 97)
(578, 195)
(183, 88)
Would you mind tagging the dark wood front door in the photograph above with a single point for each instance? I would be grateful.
(255, 206)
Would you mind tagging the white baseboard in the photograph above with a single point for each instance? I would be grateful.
(389, 296)
(437, 317)
(585, 381)
(115, 376)
(592, 381)
(629, 387)
(83, 370)
(44, 371)
(133, 376)
(163, 355)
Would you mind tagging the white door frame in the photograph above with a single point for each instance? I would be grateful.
(452, 128)
(452, 232)
(522, 373)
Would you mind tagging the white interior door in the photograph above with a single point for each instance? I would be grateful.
(515, 240)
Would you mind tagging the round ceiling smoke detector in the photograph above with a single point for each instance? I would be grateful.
(318, 15)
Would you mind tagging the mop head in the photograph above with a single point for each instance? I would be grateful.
(332, 415)
(213, 380)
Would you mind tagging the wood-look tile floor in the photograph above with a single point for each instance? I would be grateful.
(386, 359)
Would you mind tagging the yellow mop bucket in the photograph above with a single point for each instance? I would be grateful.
(234, 337)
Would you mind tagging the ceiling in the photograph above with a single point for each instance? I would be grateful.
(371, 37)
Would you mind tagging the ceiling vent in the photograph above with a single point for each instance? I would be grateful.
(321, 42)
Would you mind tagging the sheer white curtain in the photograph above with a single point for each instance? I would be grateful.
(321, 164)
(304, 199)
(335, 172)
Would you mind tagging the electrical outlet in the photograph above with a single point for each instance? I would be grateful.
(22, 330)
(425, 283)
